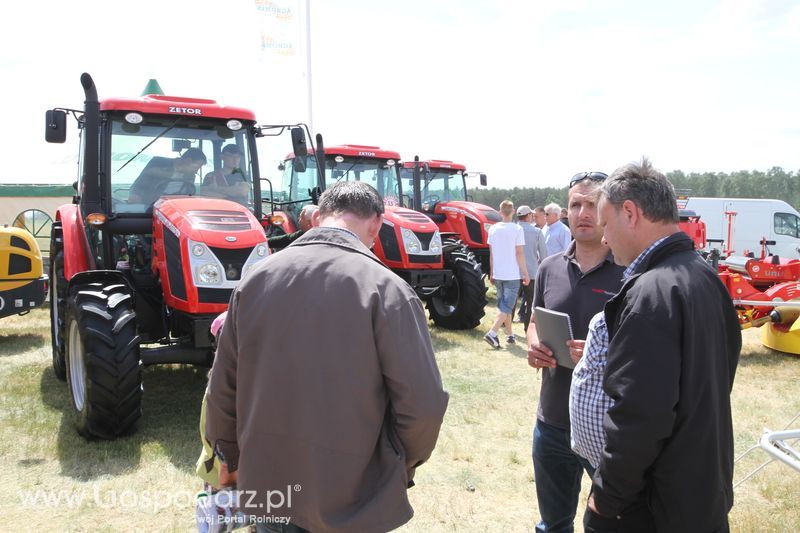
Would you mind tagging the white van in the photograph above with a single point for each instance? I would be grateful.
(756, 219)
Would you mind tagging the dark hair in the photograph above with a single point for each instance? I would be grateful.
(356, 197)
(194, 154)
(645, 186)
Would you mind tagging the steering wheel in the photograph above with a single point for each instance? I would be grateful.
(433, 199)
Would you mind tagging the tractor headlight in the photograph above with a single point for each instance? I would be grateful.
(261, 250)
(198, 249)
(486, 226)
(209, 273)
(436, 244)
(411, 242)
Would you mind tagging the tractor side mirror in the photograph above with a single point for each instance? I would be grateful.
(299, 146)
(55, 126)
(300, 149)
(483, 180)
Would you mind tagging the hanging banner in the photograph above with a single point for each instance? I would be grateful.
(283, 60)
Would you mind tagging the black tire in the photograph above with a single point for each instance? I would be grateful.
(58, 301)
(462, 304)
(104, 371)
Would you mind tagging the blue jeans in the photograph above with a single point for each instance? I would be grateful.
(558, 471)
(507, 291)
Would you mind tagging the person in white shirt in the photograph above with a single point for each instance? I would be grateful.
(557, 236)
(506, 268)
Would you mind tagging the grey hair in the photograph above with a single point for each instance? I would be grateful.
(552, 209)
(355, 197)
(308, 210)
(646, 187)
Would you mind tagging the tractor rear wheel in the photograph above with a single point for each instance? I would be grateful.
(58, 301)
(102, 352)
(461, 304)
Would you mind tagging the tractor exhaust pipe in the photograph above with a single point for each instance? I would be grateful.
(90, 190)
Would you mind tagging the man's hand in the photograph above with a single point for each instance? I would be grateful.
(227, 479)
(526, 280)
(591, 505)
(540, 356)
(576, 348)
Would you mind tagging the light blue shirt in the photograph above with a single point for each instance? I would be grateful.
(557, 238)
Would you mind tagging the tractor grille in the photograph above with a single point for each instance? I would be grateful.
(172, 249)
(424, 239)
(16, 242)
(413, 258)
(413, 216)
(232, 260)
(220, 220)
(391, 247)
(474, 230)
(213, 296)
(18, 264)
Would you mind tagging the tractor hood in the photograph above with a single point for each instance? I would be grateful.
(479, 212)
(215, 222)
(407, 218)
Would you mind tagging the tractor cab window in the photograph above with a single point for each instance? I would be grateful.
(377, 172)
(163, 156)
(787, 224)
(442, 185)
(296, 186)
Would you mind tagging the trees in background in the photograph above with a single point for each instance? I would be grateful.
(774, 183)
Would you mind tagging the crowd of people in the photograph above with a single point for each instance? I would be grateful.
(350, 412)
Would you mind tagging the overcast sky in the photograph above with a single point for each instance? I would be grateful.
(528, 92)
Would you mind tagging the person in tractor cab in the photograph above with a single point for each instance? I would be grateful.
(305, 222)
(158, 176)
(229, 181)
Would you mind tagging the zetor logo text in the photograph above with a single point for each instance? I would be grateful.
(185, 110)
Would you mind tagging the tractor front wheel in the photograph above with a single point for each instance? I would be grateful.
(102, 353)
(461, 304)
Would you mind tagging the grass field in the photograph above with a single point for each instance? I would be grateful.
(479, 479)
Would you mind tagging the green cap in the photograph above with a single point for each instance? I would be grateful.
(152, 87)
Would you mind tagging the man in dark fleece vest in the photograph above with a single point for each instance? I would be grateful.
(674, 346)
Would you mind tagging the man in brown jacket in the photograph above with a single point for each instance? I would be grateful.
(325, 394)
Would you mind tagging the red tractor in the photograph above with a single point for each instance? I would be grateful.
(438, 188)
(148, 253)
(444, 274)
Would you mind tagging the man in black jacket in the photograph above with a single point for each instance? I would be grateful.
(674, 346)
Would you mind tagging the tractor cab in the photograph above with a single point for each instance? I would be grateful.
(438, 188)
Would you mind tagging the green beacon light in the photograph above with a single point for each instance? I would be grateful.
(152, 87)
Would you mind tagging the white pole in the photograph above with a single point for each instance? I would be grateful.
(308, 67)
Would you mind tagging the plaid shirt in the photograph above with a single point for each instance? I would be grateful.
(588, 402)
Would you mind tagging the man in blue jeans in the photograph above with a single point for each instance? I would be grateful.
(506, 268)
(577, 282)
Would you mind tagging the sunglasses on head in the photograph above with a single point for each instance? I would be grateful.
(580, 176)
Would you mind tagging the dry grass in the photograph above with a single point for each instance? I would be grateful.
(479, 479)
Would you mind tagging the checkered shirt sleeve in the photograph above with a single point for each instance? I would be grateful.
(587, 401)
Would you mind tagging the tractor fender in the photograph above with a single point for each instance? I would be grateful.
(76, 253)
(105, 277)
